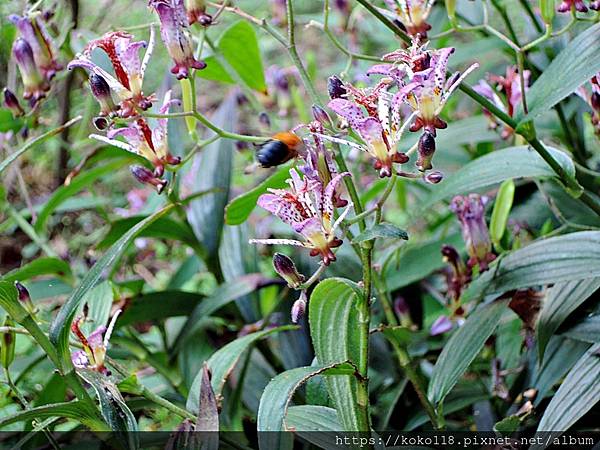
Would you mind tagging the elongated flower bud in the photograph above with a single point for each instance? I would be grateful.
(35, 86)
(286, 269)
(426, 149)
(335, 87)
(434, 177)
(451, 10)
(24, 297)
(547, 11)
(101, 91)
(12, 103)
(321, 115)
(7, 344)
(196, 12)
(146, 176)
(299, 307)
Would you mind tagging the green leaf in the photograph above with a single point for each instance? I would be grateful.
(224, 294)
(239, 209)
(99, 301)
(578, 393)
(214, 71)
(222, 362)
(508, 425)
(80, 182)
(239, 46)
(40, 266)
(381, 230)
(555, 83)
(417, 260)
(212, 170)
(561, 300)
(495, 167)
(311, 418)
(159, 306)
(588, 330)
(59, 329)
(462, 348)
(573, 256)
(76, 410)
(335, 320)
(164, 228)
(276, 397)
(502, 206)
(8, 123)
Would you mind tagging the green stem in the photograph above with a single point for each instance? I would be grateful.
(149, 395)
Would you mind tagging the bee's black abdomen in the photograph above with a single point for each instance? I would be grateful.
(273, 153)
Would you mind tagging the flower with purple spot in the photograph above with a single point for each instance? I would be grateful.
(173, 31)
(93, 355)
(308, 207)
(412, 14)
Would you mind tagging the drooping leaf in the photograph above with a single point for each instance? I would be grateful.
(59, 329)
(276, 397)
(40, 266)
(556, 83)
(578, 393)
(573, 256)
(214, 71)
(239, 46)
(335, 324)
(212, 170)
(495, 167)
(73, 410)
(462, 348)
(381, 230)
(224, 294)
(78, 183)
(222, 362)
(561, 300)
(159, 306)
(240, 208)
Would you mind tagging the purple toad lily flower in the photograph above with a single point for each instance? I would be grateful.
(379, 125)
(142, 140)
(94, 346)
(32, 29)
(412, 14)
(568, 5)
(173, 24)
(129, 71)
(510, 84)
(35, 86)
(471, 215)
(308, 206)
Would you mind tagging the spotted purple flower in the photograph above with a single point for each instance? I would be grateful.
(412, 14)
(567, 5)
(144, 141)
(470, 210)
(32, 29)
(510, 85)
(35, 86)
(94, 346)
(308, 207)
(379, 124)
(173, 31)
(129, 70)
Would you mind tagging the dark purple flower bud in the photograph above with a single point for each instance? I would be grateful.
(144, 175)
(286, 269)
(335, 87)
(434, 177)
(400, 306)
(24, 297)
(426, 149)
(101, 91)
(595, 5)
(567, 5)
(299, 308)
(35, 86)
(195, 10)
(471, 215)
(321, 115)
(441, 325)
(173, 30)
(264, 119)
(595, 99)
(12, 103)
(101, 123)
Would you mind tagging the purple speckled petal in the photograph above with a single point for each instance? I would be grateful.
(95, 339)
(128, 53)
(80, 359)
(288, 211)
(370, 130)
(483, 88)
(330, 191)
(440, 326)
(308, 227)
(440, 64)
(115, 85)
(346, 109)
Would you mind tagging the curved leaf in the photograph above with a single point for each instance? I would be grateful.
(334, 327)
(312, 418)
(462, 348)
(40, 266)
(73, 410)
(240, 208)
(582, 58)
(495, 167)
(222, 362)
(573, 256)
(276, 397)
(561, 300)
(578, 393)
(381, 230)
(59, 329)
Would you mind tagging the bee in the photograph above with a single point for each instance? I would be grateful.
(278, 150)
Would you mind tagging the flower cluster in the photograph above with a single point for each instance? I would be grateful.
(94, 346)
(376, 114)
(35, 56)
(593, 100)
(510, 86)
(412, 14)
(568, 5)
